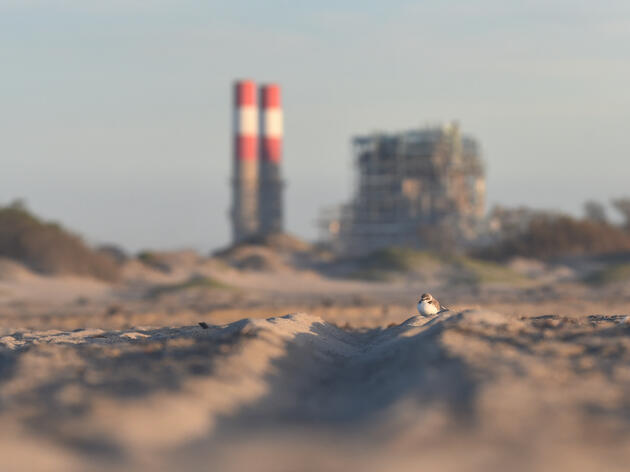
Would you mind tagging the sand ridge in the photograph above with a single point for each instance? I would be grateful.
(152, 397)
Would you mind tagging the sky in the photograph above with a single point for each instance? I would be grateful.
(115, 116)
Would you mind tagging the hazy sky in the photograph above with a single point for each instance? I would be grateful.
(115, 114)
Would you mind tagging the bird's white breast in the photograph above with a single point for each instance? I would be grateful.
(425, 308)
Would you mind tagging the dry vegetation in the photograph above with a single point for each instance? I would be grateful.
(48, 248)
(551, 237)
(388, 264)
(195, 282)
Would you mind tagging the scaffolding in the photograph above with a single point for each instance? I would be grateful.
(419, 188)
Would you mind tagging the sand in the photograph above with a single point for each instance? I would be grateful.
(299, 371)
(469, 390)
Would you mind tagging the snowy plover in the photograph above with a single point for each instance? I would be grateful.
(428, 305)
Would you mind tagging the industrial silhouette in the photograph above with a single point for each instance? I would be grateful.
(421, 188)
(257, 180)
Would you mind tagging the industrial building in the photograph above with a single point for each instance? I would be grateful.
(423, 188)
(257, 185)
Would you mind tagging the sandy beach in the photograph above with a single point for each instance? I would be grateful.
(298, 371)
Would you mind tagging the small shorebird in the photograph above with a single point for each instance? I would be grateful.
(428, 305)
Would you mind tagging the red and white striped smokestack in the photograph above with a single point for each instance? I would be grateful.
(270, 208)
(271, 128)
(245, 179)
(245, 121)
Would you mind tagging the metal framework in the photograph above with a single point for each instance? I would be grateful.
(419, 188)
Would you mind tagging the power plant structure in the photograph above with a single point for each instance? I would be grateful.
(257, 185)
(271, 184)
(423, 188)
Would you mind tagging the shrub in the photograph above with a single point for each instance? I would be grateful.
(476, 271)
(385, 264)
(200, 282)
(47, 248)
(610, 274)
(549, 237)
(382, 264)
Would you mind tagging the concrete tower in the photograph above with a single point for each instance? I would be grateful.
(271, 183)
(244, 212)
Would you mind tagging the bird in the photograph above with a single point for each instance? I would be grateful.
(429, 305)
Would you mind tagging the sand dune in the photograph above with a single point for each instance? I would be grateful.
(473, 390)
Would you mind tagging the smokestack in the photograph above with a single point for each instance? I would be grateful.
(271, 184)
(245, 171)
